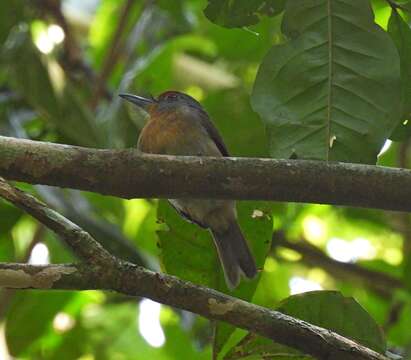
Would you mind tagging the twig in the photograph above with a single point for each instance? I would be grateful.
(72, 59)
(395, 6)
(79, 240)
(117, 43)
(129, 174)
(381, 283)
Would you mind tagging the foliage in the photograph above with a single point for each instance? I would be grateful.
(326, 80)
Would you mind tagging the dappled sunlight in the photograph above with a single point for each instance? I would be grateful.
(385, 147)
(46, 38)
(149, 323)
(135, 212)
(4, 352)
(39, 255)
(351, 251)
(300, 285)
(314, 229)
(63, 322)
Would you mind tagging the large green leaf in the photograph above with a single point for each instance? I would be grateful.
(333, 91)
(187, 252)
(237, 13)
(327, 309)
(400, 32)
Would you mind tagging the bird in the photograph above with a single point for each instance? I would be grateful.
(178, 125)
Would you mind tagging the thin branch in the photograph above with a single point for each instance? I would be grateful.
(72, 60)
(79, 240)
(395, 6)
(381, 283)
(129, 174)
(117, 43)
(137, 281)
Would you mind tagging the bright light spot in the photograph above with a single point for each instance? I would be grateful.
(300, 285)
(385, 148)
(289, 255)
(393, 256)
(346, 251)
(363, 249)
(39, 255)
(405, 122)
(136, 212)
(86, 357)
(196, 92)
(340, 250)
(55, 34)
(149, 323)
(270, 265)
(44, 43)
(46, 39)
(63, 322)
(317, 275)
(314, 229)
(4, 352)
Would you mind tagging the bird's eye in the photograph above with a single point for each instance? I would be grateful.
(171, 96)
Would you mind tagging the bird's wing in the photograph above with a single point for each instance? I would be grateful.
(175, 204)
(213, 132)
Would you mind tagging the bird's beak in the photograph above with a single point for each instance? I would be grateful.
(140, 101)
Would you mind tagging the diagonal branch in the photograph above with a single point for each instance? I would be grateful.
(103, 271)
(137, 281)
(381, 283)
(79, 240)
(129, 174)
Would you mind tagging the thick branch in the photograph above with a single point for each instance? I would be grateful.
(128, 174)
(136, 281)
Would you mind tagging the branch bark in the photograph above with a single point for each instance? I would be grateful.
(137, 281)
(100, 270)
(130, 174)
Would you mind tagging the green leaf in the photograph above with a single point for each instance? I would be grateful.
(11, 13)
(401, 34)
(52, 96)
(30, 318)
(407, 273)
(333, 311)
(187, 251)
(333, 91)
(327, 309)
(238, 13)
(255, 347)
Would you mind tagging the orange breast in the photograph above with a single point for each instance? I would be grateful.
(168, 134)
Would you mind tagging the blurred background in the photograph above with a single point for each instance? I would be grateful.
(62, 65)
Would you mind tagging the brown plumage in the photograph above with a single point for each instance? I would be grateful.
(178, 125)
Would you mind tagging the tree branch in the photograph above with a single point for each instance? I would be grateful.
(114, 52)
(381, 283)
(79, 240)
(105, 272)
(137, 281)
(129, 174)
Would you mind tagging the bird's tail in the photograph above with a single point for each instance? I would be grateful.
(234, 254)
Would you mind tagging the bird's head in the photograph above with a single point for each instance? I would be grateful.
(167, 101)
